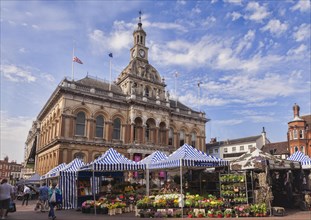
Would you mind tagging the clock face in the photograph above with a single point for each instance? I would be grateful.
(141, 53)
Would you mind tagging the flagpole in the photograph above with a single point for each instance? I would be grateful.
(110, 72)
(72, 65)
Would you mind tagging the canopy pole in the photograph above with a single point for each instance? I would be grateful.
(181, 190)
(147, 180)
(94, 191)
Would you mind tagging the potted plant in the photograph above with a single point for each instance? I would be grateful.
(191, 214)
(219, 214)
(200, 214)
(228, 213)
(210, 213)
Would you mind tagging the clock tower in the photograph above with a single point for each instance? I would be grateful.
(139, 50)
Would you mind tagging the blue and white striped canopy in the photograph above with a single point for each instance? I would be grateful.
(153, 158)
(112, 160)
(302, 158)
(73, 166)
(188, 156)
(55, 169)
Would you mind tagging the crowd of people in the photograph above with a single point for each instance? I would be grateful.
(48, 198)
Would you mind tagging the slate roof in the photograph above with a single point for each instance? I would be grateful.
(234, 141)
(277, 148)
(98, 84)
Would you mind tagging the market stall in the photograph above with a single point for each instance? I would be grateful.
(267, 177)
(110, 161)
(187, 157)
(151, 159)
(67, 183)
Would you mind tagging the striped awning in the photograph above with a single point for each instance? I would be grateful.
(187, 156)
(73, 166)
(302, 158)
(112, 160)
(55, 169)
(153, 158)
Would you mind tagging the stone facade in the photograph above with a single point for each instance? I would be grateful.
(134, 115)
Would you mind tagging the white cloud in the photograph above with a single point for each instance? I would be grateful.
(48, 77)
(17, 74)
(115, 41)
(301, 50)
(257, 12)
(302, 6)
(230, 122)
(239, 2)
(234, 15)
(22, 50)
(14, 132)
(302, 33)
(275, 27)
(246, 42)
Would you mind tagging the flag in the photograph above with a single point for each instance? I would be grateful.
(110, 54)
(77, 60)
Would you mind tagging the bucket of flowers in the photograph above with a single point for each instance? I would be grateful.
(191, 214)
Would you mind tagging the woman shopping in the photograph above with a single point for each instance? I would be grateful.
(54, 199)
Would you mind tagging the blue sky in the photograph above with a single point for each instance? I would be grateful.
(252, 58)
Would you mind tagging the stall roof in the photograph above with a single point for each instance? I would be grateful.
(31, 180)
(302, 158)
(189, 157)
(55, 169)
(154, 157)
(112, 160)
(257, 159)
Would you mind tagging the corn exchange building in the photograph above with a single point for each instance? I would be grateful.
(135, 115)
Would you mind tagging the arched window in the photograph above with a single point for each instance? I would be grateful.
(79, 155)
(99, 131)
(193, 139)
(295, 134)
(162, 134)
(296, 149)
(302, 149)
(171, 137)
(116, 135)
(80, 124)
(147, 91)
(181, 138)
(96, 156)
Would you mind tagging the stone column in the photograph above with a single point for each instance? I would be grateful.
(109, 131)
(143, 139)
(132, 133)
(157, 137)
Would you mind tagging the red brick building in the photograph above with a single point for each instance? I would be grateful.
(299, 133)
(10, 170)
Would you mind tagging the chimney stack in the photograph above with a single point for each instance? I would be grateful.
(296, 109)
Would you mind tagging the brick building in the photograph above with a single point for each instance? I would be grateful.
(299, 132)
(10, 170)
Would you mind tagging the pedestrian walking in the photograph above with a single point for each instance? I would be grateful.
(26, 195)
(43, 198)
(54, 194)
(6, 194)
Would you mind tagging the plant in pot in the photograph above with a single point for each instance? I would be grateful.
(210, 213)
(219, 214)
(200, 214)
(228, 213)
(191, 214)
